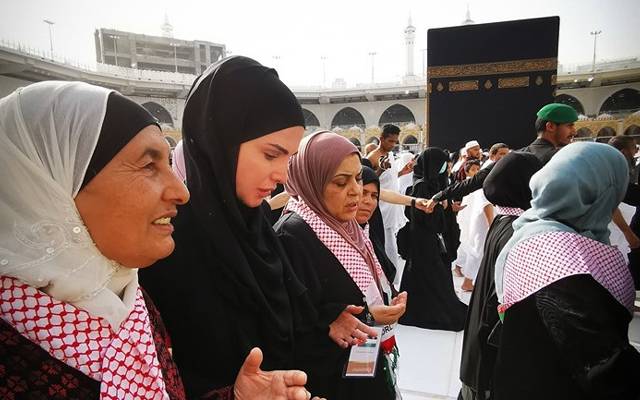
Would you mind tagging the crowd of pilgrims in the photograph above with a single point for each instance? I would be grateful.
(123, 275)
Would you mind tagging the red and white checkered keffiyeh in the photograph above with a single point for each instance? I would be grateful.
(546, 258)
(512, 211)
(350, 258)
(125, 363)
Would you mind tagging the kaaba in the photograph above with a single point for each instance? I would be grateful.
(487, 81)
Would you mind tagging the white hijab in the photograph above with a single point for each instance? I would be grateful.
(48, 133)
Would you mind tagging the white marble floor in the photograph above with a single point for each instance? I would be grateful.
(430, 360)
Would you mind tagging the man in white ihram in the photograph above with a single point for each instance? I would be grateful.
(389, 169)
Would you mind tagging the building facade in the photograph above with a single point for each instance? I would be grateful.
(157, 53)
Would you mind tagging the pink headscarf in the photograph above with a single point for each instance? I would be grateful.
(178, 162)
(311, 169)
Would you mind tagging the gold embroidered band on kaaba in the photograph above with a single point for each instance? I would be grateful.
(494, 68)
(459, 86)
(516, 82)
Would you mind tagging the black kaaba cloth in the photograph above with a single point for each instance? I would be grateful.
(487, 81)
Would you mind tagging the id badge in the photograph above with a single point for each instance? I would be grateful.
(364, 357)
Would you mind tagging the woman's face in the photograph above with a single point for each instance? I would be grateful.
(342, 194)
(473, 170)
(368, 203)
(263, 162)
(128, 206)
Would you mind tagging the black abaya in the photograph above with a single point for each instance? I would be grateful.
(228, 286)
(572, 337)
(331, 289)
(507, 185)
(431, 302)
(478, 354)
(376, 225)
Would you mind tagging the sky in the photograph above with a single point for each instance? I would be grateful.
(292, 36)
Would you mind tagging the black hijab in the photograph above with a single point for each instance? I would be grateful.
(427, 169)
(239, 268)
(369, 176)
(235, 101)
(507, 185)
(123, 120)
(376, 226)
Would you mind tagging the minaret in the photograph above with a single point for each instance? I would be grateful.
(468, 20)
(166, 28)
(409, 40)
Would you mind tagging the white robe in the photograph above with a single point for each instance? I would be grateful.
(405, 180)
(392, 214)
(617, 237)
(473, 232)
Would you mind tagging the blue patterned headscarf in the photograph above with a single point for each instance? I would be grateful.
(577, 191)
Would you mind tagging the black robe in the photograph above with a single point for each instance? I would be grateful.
(227, 287)
(478, 353)
(632, 198)
(211, 336)
(542, 149)
(376, 224)
(376, 235)
(432, 302)
(568, 341)
(451, 230)
(331, 290)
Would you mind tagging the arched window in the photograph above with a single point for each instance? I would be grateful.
(410, 139)
(584, 132)
(159, 112)
(310, 118)
(570, 101)
(621, 101)
(605, 134)
(348, 117)
(397, 113)
(632, 130)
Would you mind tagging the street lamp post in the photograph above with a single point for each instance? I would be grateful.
(595, 37)
(324, 70)
(373, 55)
(175, 55)
(50, 23)
(115, 47)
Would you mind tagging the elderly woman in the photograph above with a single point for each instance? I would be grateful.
(332, 256)
(566, 294)
(87, 197)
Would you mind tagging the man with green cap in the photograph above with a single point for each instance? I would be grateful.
(555, 127)
(555, 130)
